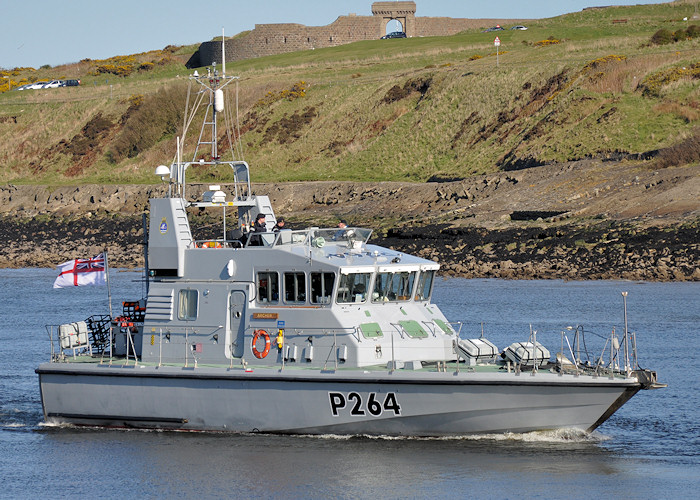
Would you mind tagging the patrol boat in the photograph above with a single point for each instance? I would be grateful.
(306, 331)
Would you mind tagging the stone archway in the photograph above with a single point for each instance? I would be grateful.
(393, 25)
(403, 12)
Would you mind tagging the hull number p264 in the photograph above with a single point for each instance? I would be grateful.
(360, 405)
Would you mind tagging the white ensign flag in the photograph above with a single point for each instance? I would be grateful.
(81, 272)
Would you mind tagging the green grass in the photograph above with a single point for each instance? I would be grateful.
(473, 119)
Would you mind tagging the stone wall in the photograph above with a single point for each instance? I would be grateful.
(446, 26)
(271, 39)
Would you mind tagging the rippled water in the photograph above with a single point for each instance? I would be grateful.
(648, 449)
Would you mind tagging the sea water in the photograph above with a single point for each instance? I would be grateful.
(649, 449)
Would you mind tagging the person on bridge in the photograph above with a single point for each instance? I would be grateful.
(259, 225)
(280, 224)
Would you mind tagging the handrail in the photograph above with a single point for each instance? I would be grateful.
(399, 328)
(428, 325)
(49, 330)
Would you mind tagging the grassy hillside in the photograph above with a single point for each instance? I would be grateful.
(569, 87)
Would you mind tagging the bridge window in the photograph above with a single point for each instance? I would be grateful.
(187, 305)
(353, 287)
(295, 288)
(393, 286)
(322, 287)
(268, 287)
(425, 285)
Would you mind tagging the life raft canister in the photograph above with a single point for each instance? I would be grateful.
(258, 334)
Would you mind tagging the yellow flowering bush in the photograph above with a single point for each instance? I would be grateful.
(135, 100)
(651, 85)
(602, 61)
(118, 65)
(296, 91)
(126, 65)
(546, 43)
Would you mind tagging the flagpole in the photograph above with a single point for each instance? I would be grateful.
(109, 289)
(109, 298)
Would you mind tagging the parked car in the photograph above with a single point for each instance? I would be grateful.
(53, 84)
(71, 83)
(23, 87)
(495, 28)
(35, 85)
(519, 27)
(395, 34)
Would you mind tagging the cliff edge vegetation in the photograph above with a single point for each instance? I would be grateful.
(601, 83)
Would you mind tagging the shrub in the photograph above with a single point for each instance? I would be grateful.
(602, 61)
(680, 35)
(149, 119)
(120, 66)
(135, 100)
(693, 31)
(662, 37)
(545, 43)
(685, 152)
(651, 85)
(296, 91)
(15, 71)
(126, 65)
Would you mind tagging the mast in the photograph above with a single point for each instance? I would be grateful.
(213, 84)
(209, 93)
(223, 53)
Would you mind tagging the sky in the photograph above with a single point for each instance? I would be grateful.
(54, 32)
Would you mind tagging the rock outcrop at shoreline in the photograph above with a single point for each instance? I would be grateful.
(602, 251)
(605, 251)
(580, 220)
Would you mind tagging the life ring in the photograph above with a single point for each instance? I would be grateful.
(258, 334)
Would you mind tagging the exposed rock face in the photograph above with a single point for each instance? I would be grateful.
(626, 222)
(603, 251)
(46, 242)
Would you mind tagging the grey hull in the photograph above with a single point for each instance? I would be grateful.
(315, 402)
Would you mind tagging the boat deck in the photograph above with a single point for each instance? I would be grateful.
(435, 367)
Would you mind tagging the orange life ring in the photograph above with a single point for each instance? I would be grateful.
(258, 334)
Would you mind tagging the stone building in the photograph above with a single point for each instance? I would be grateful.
(270, 39)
